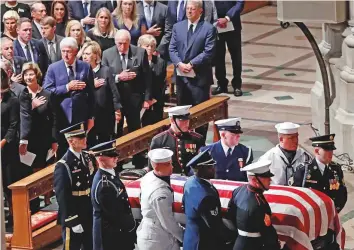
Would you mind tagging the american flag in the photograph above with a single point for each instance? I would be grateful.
(299, 215)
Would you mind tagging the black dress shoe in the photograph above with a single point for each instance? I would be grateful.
(238, 92)
(219, 90)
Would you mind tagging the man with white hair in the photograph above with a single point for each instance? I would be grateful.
(286, 157)
(7, 52)
(71, 81)
(38, 12)
(131, 71)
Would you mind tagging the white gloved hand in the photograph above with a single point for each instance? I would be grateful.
(78, 229)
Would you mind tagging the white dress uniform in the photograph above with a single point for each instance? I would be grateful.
(158, 229)
(281, 167)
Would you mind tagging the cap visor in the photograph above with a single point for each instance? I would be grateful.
(266, 174)
(83, 135)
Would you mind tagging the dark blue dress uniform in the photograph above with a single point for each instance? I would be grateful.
(251, 214)
(331, 182)
(228, 165)
(204, 226)
(113, 221)
(72, 185)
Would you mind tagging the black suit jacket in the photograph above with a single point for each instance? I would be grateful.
(76, 9)
(57, 48)
(137, 62)
(18, 63)
(110, 6)
(25, 114)
(158, 70)
(159, 17)
(39, 53)
(10, 118)
(36, 33)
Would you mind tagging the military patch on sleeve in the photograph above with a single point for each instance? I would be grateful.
(267, 220)
(161, 198)
(214, 212)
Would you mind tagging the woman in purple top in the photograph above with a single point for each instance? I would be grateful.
(126, 17)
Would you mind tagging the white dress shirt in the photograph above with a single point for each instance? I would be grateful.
(23, 45)
(321, 166)
(226, 148)
(77, 154)
(194, 24)
(146, 13)
(96, 69)
(110, 171)
(39, 27)
(74, 68)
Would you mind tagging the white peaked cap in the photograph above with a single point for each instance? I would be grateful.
(287, 128)
(160, 155)
(178, 110)
(257, 168)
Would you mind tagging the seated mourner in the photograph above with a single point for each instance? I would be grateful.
(229, 154)
(286, 156)
(112, 216)
(250, 212)
(321, 173)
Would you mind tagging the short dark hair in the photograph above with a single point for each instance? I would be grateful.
(23, 20)
(4, 80)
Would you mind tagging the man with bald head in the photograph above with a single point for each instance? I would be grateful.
(38, 11)
(130, 68)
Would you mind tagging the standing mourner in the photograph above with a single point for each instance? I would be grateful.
(204, 226)
(250, 212)
(51, 40)
(72, 184)
(287, 155)
(321, 173)
(185, 144)
(112, 215)
(159, 229)
(229, 154)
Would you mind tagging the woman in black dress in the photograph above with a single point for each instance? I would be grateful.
(107, 98)
(103, 32)
(60, 13)
(42, 137)
(158, 71)
(10, 120)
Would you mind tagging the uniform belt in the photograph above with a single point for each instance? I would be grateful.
(81, 193)
(248, 234)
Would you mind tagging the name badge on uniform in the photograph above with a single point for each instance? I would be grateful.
(240, 162)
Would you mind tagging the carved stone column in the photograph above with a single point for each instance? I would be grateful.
(347, 31)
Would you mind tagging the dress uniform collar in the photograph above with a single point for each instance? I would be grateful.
(226, 148)
(78, 155)
(254, 189)
(321, 166)
(110, 171)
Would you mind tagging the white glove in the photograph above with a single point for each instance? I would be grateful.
(78, 229)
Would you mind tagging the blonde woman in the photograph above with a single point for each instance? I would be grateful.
(75, 30)
(126, 17)
(10, 19)
(104, 31)
(108, 106)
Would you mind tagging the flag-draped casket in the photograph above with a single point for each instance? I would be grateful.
(299, 215)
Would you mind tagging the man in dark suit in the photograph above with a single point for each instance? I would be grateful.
(229, 11)
(50, 40)
(71, 81)
(30, 49)
(155, 14)
(16, 87)
(191, 51)
(85, 11)
(73, 176)
(132, 74)
(111, 5)
(38, 11)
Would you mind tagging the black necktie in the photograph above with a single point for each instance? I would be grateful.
(71, 73)
(190, 33)
(229, 152)
(124, 65)
(28, 54)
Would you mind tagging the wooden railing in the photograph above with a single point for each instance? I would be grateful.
(41, 182)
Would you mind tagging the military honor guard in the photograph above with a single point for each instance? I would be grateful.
(287, 156)
(250, 212)
(113, 220)
(158, 229)
(72, 184)
(321, 173)
(229, 154)
(204, 226)
(184, 144)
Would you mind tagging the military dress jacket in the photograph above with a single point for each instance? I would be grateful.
(331, 182)
(72, 186)
(113, 220)
(250, 213)
(184, 146)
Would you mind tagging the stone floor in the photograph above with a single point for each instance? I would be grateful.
(278, 74)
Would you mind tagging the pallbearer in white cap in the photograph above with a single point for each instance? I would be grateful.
(156, 206)
(184, 143)
(287, 156)
(229, 154)
(250, 211)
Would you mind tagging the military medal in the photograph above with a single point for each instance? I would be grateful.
(267, 220)
(240, 162)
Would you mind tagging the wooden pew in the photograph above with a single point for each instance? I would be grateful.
(41, 182)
